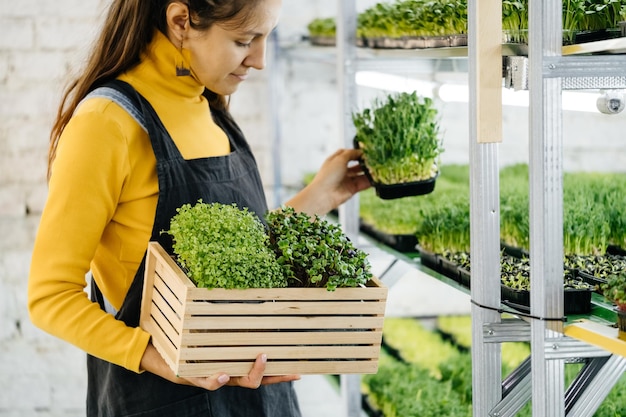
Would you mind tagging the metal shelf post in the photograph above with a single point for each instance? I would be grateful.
(485, 226)
(346, 72)
(546, 206)
(348, 212)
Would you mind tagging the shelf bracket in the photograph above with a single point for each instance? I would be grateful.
(516, 391)
(563, 348)
(574, 71)
(508, 330)
(592, 385)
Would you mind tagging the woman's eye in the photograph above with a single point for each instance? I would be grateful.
(243, 44)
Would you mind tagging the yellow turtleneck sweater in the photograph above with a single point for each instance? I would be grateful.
(102, 201)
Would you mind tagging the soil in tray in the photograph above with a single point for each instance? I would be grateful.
(576, 300)
(591, 280)
(593, 269)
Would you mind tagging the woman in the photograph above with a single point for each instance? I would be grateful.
(142, 131)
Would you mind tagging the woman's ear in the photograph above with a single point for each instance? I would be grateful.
(177, 18)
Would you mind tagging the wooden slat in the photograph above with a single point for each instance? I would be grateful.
(172, 281)
(236, 353)
(305, 294)
(163, 345)
(282, 368)
(167, 263)
(280, 338)
(148, 285)
(299, 322)
(174, 297)
(286, 308)
(165, 325)
(166, 311)
(597, 334)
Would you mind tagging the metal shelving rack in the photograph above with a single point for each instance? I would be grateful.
(549, 72)
(545, 72)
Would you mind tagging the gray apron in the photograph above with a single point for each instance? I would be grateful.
(116, 392)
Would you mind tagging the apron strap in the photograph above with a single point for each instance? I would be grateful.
(125, 103)
(124, 95)
(97, 296)
(121, 100)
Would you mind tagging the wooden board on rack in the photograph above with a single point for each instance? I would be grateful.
(608, 46)
(597, 334)
(488, 57)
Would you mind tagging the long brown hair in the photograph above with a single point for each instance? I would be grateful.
(127, 31)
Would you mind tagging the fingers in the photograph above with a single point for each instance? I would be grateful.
(338, 179)
(254, 377)
(355, 170)
(348, 154)
(360, 183)
(354, 154)
(340, 161)
(345, 155)
(210, 383)
(253, 380)
(267, 380)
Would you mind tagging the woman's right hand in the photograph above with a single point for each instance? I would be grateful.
(153, 362)
(256, 376)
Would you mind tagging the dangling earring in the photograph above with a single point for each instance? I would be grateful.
(181, 64)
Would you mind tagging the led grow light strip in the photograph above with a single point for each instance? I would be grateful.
(457, 93)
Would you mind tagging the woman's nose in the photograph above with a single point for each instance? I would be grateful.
(256, 57)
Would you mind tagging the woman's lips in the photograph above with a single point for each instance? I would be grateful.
(241, 77)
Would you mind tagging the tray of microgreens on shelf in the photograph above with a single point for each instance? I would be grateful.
(401, 144)
(231, 289)
(588, 27)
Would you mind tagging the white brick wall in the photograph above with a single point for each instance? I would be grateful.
(40, 44)
(44, 41)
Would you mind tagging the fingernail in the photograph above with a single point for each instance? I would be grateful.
(222, 379)
(264, 358)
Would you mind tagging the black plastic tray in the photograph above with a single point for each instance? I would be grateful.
(429, 259)
(405, 189)
(592, 280)
(575, 301)
(450, 269)
(401, 243)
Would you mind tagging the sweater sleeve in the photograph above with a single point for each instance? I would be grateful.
(88, 174)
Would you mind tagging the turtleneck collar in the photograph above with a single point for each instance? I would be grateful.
(157, 71)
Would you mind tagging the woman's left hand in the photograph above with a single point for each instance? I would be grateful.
(338, 179)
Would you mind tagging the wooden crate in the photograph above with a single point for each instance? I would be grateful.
(302, 330)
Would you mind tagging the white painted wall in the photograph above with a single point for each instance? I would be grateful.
(43, 42)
